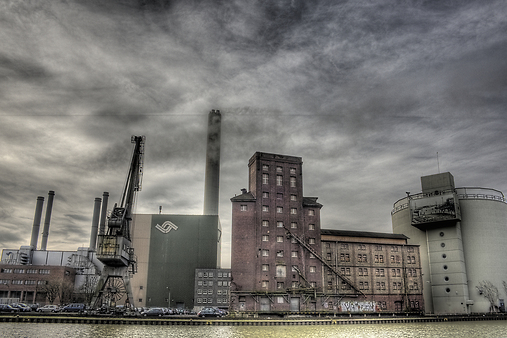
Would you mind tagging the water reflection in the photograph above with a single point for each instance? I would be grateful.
(419, 330)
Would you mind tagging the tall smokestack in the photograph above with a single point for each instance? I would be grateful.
(95, 223)
(47, 220)
(36, 222)
(103, 213)
(212, 176)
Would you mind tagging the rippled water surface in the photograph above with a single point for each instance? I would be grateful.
(441, 330)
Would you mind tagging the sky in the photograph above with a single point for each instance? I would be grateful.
(371, 94)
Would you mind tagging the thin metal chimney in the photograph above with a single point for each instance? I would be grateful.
(36, 222)
(95, 223)
(47, 220)
(212, 175)
(103, 213)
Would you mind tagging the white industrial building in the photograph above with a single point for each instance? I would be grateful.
(462, 233)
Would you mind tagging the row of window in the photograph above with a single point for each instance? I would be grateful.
(279, 239)
(363, 258)
(40, 271)
(210, 300)
(280, 253)
(279, 169)
(279, 180)
(210, 283)
(378, 272)
(347, 246)
(210, 292)
(210, 274)
(279, 195)
(280, 269)
(281, 285)
(22, 282)
(293, 225)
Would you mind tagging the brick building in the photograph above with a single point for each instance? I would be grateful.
(282, 260)
(31, 283)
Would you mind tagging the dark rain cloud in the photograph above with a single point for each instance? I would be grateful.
(366, 93)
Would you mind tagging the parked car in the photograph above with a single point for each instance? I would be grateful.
(74, 307)
(8, 308)
(22, 307)
(49, 308)
(209, 312)
(154, 311)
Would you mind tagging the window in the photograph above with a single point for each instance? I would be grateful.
(293, 225)
(19, 270)
(4, 281)
(265, 223)
(265, 267)
(265, 194)
(380, 272)
(313, 269)
(265, 179)
(293, 240)
(279, 210)
(362, 258)
(313, 284)
(292, 182)
(17, 281)
(281, 271)
(361, 247)
(328, 256)
(243, 207)
(294, 254)
(311, 227)
(199, 291)
(219, 283)
(293, 197)
(344, 246)
(265, 283)
(265, 167)
(378, 248)
(265, 238)
(279, 224)
(44, 271)
(311, 240)
(294, 285)
(265, 208)
(265, 253)
(279, 285)
(199, 274)
(279, 196)
(279, 253)
(292, 171)
(279, 299)
(279, 180)
(279, 169)
(311, 212)
(31, 271)
(394, 248)
(293, 211)
(279, 239)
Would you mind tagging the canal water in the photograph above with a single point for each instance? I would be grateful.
(419, 330)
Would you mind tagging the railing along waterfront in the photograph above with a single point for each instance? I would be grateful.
(467, 193)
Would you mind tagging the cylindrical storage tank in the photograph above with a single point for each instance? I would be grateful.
(36, 222)
(402, 224)
(484, 232)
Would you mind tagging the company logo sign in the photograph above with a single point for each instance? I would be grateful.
(166, 227)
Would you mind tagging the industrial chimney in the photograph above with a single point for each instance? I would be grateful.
(212, 175)
(36, 222)
(103, 213)
(95, 223)
(47, 220)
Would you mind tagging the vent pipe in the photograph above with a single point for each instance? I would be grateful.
(36, 222)
(212, 175)
(103, 214)
(47, 220)
(95, 223)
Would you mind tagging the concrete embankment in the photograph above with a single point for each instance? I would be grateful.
(241, 322)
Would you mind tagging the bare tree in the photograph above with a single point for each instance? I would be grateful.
(51, 290)
(67, 289)
(488, 290)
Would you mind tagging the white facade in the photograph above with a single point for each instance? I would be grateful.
(459, 251)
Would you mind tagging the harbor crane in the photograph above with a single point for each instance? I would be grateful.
(114, 246)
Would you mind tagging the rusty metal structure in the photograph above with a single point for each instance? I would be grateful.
(114, 246)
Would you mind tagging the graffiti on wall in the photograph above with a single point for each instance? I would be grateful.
(351, 306)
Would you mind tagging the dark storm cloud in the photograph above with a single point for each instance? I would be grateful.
(365, 92)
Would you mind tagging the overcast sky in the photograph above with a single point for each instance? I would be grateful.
(366, 92)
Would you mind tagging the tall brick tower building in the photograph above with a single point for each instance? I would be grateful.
(274, 232)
